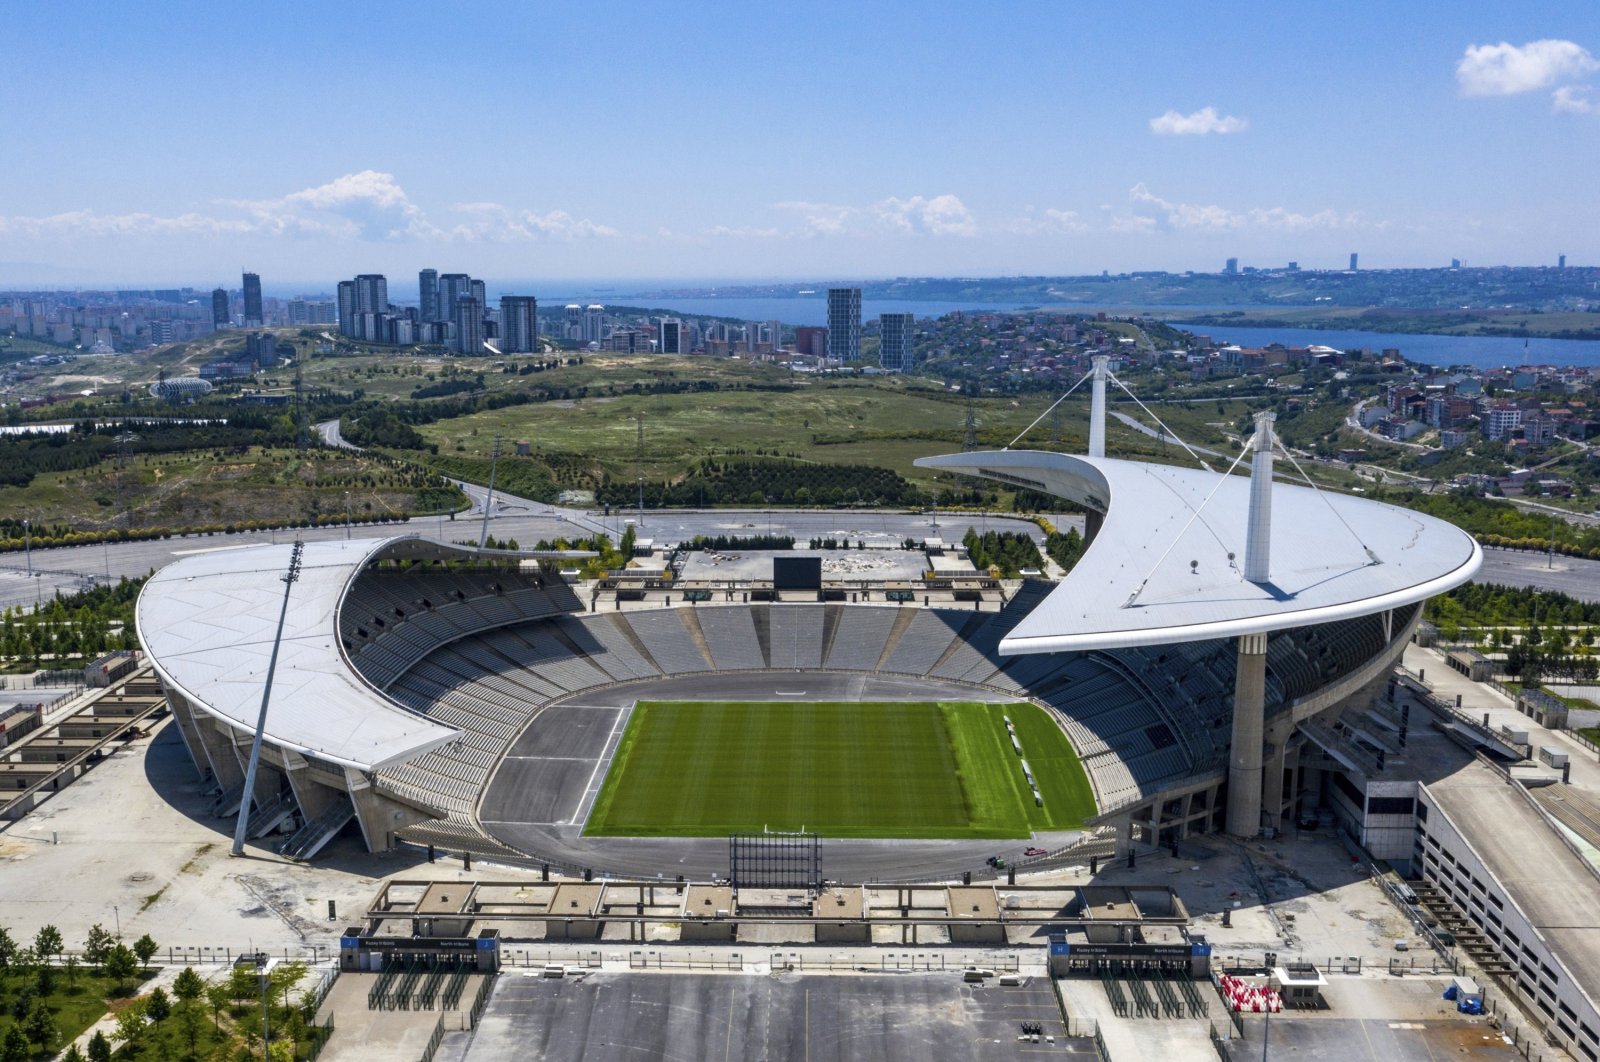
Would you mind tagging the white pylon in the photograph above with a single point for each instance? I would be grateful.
(1258, 532)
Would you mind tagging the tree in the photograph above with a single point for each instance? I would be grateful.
(218, 996)
(189, 1019)
(131, 1022)
(99, 1047)
(73, 1055)
(157, 1006)
(15, 1046)
(145, 947)
(40, 1026)
(98, 946)
(121, 964)
(187, 985)
(8, 948)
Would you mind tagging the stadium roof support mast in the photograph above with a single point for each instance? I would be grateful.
(1258, 531)
(1247, 758)
(247, 797)
(1097, 407)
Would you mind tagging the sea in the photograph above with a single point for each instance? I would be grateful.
(1482, 352)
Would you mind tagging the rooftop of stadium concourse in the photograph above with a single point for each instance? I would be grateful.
(208, 623)
(743, 566)
(1167, 563)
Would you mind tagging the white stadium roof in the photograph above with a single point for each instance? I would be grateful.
(207, 623)
(1191, 566)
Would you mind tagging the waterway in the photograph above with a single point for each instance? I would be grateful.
(1482, 352)
(799, 310)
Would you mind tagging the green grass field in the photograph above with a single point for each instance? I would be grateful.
(882, 769)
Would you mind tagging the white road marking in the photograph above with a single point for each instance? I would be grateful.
(591, 791)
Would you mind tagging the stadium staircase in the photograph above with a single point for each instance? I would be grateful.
(309, 839)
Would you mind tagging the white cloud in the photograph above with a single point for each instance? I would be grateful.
(1205, 120)
(819, 219)
(1574, 99)
(368, 206)
(1506, 69)
(942, 215)
(1151, 212)
(1048, 222)
(89, 223)
(498, 223)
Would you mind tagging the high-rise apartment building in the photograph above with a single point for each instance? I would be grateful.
(1231, 266)
(670, 336)
(1354, 258)
(775, 334)
(469, 325)
(428, 295)
(372, 293)
(452, 288)
(252, 301)
(347, 307)
(894, 354)
(594, 323)
(844, 324)
(519, 324)
(480, 292)
(221, 317)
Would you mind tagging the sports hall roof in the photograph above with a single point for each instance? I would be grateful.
(1160, 531)
(207, 622)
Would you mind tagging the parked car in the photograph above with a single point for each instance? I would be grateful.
(1035, 851)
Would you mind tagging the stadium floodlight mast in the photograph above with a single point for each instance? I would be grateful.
(246, 798)
(488, 499)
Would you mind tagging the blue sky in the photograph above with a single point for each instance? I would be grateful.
(178, 143)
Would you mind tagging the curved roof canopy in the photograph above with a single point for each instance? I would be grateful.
(207, 621)
(1167, 565)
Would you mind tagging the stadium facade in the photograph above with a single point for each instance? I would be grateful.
(1199, 656)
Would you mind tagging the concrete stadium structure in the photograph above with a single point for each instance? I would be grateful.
(1199, 658)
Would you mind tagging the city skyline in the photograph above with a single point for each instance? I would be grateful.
(1050, 142)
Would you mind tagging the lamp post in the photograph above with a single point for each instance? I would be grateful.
(347, 516)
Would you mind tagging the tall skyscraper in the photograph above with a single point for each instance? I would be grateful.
(452, 288)
(671, 336)
(519, 324)
(1231, 266)
(478, 291)
(252, 301)
(1354, 258)
(469, 325)
(775, 333)
(372, 293)
(428, 295)
(220, 316)
(594, 323)
(347, 307)
(895, 352)
(844, 324)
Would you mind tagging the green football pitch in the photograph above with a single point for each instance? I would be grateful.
(881, 769)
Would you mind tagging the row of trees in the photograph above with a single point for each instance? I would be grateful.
(85, 624)
(1008, 551)
(36, 977)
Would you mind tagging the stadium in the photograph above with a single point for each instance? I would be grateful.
(1200, 670)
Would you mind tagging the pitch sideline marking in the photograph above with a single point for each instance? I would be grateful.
(590, 791)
